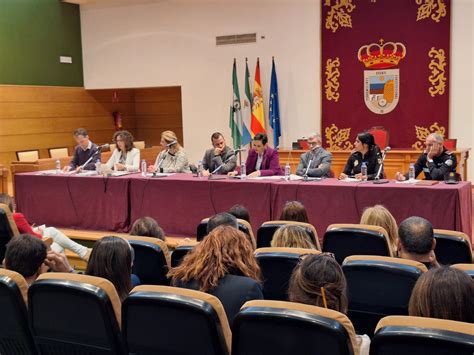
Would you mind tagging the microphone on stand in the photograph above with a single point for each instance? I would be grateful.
(377, 179)
(225, 162)
(171, 143)
(305, 176)
(98, 149)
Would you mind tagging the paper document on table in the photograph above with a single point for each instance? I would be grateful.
(156, 175)
(50, 172)
(349, 179)
(87, 173)
(412, 182)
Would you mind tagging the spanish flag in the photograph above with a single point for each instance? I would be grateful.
(257, 123)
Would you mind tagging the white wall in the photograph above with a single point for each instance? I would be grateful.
(173, 43)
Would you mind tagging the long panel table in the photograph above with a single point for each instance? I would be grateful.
(180, 201)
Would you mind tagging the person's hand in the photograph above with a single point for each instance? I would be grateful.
(360, 176)
(119, 167)
(232, 173)
(66, 169)
(151, 169)
(40, 230)
(57, 262)
(434, 150)
(254, 174)
(78, 169)
(206, 173)
(217, 151)
(342, 176)
(399, 176)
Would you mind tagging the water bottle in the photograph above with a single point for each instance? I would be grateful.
(363, 170)
(97, 166)
(58, 166)
(200, 168)
(243, 171)
(143, 167)
(287, 171)
(411, 172)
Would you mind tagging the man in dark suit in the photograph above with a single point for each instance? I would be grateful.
(219, 155)
(319, 158)
(83, 152)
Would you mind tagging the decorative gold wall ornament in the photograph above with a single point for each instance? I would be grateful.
(434, 8)
(339, 16)
(437, 67)
(423, 132)
(338, 138)
(332, 79)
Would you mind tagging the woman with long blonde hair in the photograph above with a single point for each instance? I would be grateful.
(223, 265)
(292, 236)
(380, 216)
(172, 159)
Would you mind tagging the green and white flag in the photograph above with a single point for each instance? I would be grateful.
(235, 121)
(246, 108)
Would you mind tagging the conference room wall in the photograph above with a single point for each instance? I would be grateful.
(41, 117)
(173, 44)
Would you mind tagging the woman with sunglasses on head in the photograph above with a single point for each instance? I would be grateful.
(173, 158)
(365, 151)
(318, 280)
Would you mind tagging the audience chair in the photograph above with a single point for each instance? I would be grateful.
(425, 336)
(277, 265)
(8, 228)
(152, 260)
(381, 136)
(56, 153)
(244, 226)
(179, 253)
(377, 287)
(75, 314)
(452, 247)
(468, 268)
(139, 144)
(267, 229)
(27, 155)
(192, 322)
(286, 328)
(344, 240)
(15, 334)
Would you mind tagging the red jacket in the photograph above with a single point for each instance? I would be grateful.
(23, 225)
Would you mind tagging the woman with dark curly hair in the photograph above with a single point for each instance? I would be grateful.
(223, 265)
(125, 157)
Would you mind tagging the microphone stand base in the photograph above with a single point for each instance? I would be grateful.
(381, 181)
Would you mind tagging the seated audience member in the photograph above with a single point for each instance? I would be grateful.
(445, 293)
(172, 159)
(30, 257)
(61, 241)
(365, 150)
(294, 211)
(262, 160)
(240, 212)
(112, 259)
(83, 152)
(436, 161)
(219, 155)
(416, 241)
(147, 227)
(223, 265)
(221, 219)
(380, 216)
(318, 280)
(291, 236)
(125, 157)
(319, 157)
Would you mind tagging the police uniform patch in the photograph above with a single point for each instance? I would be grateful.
(449, 162)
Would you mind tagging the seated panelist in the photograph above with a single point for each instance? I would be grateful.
(262, 160)
(83, 152)
(365, 150)
(319, 158)
(172, 159)
(125, 157)
(220, 155)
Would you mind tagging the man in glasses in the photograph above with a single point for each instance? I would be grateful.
(318, 159)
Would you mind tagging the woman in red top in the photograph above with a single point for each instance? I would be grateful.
(61, 241)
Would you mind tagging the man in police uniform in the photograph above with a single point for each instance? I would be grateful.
(320, 159)
(436, 161)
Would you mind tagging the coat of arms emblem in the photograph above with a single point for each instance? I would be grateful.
(381, 81)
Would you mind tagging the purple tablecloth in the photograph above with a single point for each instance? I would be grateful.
(179, 202)
(66, 201)
(332, 201)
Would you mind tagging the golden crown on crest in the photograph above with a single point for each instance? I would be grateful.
(381, 56)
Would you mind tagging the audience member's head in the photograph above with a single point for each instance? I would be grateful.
(294, 211)
(380, 216)
(314, 274)
(111, 258)
(240, 212)
(292, 236)
(147, 227)
(416, 241)
(221, 219)
(7, 200)
(25, 254)
(445, 293)
(226, 250)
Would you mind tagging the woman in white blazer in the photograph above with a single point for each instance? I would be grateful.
(125, 157)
